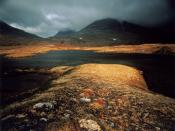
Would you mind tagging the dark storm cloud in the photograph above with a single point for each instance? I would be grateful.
(46, 17)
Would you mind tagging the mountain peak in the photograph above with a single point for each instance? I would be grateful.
(65, 32)
(107, 24)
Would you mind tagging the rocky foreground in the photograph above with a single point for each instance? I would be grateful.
(92, 97)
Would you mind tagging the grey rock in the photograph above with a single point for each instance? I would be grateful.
(157, 128)
(66, 116)
(9, 117)
(51, 116)
(43, 114)
(85, 100)
(20, 116)
(74, 100)
(112, 124)
(44, 105)
(43, 119)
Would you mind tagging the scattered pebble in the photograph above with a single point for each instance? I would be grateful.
(50, 116)
(157, 128)
(145, 115)
(85, 100)
(141, 72)
(43, 114)
(74, 100)
(43, 120)
(9, 117)
(66, 116)
(26, 120)
(68, 111)
(20, 116)
(112, 124)
(89, 125)
(109, 107)
(54, 103)
(44, 105)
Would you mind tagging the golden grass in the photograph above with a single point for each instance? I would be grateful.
(30, 50)
(115, 96)
(117, 75)
(113, 73)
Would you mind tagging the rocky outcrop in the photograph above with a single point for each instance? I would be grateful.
(94, 97)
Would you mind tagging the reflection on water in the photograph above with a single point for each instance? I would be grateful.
(159, 71)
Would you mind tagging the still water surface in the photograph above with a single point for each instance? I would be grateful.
(159, 71)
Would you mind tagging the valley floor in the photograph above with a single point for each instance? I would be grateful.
(30, 50)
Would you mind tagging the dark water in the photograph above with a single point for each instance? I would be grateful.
(159, 71)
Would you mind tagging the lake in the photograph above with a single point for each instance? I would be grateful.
(158, 70)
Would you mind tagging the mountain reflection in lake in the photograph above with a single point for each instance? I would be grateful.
(158, 70)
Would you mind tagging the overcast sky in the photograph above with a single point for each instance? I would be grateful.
(47, 17)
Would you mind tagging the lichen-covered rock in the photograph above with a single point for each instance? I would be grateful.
(99, 103)
(89, 125)
(87, 93)
(44, 106)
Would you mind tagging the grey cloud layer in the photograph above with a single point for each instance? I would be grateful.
(46, 17)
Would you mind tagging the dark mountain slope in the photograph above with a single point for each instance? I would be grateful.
(105, 25)
(111, 31)
(13, 36)
(65, 33)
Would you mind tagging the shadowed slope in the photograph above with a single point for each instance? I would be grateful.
(13, 36)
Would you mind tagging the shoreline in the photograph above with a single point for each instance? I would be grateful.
(31, 50)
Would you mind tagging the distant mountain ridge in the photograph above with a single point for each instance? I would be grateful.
(10, 35)
(65, 32)
(107, 25)
(99, 33)
(112, 31)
